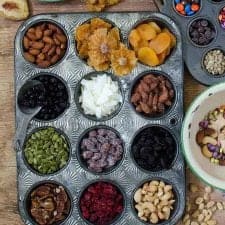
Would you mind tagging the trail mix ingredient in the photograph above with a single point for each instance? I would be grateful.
(154, 149)
(99, 5)
(48, 204)
(187, 7)
(152, 95)
(152, 43)
(98, 42)
(14, 9)
(100, 96)
(101, 149)
(154, 201)
(222, 17)
(101, 203)
(202, 32)
(53, 99)
(46, 151)
(44, 44)
(211, 136)
(200, 208)
(214, 62)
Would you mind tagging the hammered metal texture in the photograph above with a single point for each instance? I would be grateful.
(71, 69)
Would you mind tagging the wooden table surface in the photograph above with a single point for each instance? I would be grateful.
(8, 190)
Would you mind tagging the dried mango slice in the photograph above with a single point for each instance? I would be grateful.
(162, 57)
(146, 32)
(143, 43)
(160, 43)
(134, 38)
(148, 56)
(156, 27)
(172, 37)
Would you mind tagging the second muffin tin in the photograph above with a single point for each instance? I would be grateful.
(71, 69)
(194, 54)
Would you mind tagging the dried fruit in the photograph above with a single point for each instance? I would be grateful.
(99, 5)
(148, 56)
(123, 60)
(134, 38)
(146, 32)
(160, 43)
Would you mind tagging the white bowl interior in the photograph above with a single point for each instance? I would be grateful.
(211, 173)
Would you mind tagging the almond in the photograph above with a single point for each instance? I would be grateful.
(34, 52)
(29, 57)
(61, 38)
(199, 136)
(37, 44)
(26, 43)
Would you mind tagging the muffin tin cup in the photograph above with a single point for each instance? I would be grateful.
(193, 53)
(117, 219)
(78, 94)
(64, 83)
(157, 73)
(82, 162)
(29, 167)
(176, 150)
(176, 197)
(27, 199)
(126, 122)
(36, 22)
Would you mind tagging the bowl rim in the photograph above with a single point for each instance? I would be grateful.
(195, 168)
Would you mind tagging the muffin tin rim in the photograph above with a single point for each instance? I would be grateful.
(170, 131)
(31, 24)
(157, 73)
(212, 24)
(77, 94)
(36, 185)
(167, 182)
(59, 131)
(48, 73)
(78, 149)
(104, 180)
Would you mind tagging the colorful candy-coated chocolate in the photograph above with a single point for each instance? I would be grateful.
(187, 7)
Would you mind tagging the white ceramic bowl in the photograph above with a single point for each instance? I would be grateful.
(210, 173)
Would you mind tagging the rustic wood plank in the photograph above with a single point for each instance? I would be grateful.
(8, 190)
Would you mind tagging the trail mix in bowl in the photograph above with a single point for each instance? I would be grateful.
(101, 203)
(101, 149)
(48, 204)
(211, 136)
(154, 201)
(98, 42)
(100, 5)
(46, 151)
(152, 43)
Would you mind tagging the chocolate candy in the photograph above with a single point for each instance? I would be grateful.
(202, 32)
(222, 17)
(187, 7)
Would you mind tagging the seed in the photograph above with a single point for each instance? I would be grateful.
(219, 205)
(210, 204)
(199, 200)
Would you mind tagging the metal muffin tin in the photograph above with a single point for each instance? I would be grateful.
(194, 54)
(127, 122)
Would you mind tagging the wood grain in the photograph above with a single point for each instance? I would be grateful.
(8, 192)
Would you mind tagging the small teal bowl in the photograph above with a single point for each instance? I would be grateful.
(210, 173)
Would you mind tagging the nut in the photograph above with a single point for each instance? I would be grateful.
(209, 140)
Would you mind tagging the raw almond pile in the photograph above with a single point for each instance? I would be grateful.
(44, 44)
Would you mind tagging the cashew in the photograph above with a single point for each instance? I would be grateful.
(138, 195)
(154, 218)
(209, 140)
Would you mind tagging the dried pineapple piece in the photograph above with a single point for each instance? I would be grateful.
(101, 43)
(82, 48)
(123, 60)
(97, 23)
(99, 5)
(83, 32)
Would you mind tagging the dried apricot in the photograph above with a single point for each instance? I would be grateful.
(146, 32)
(148, 56)
(134, 38)
(156, 27)
(160, 43)
(172, 37)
